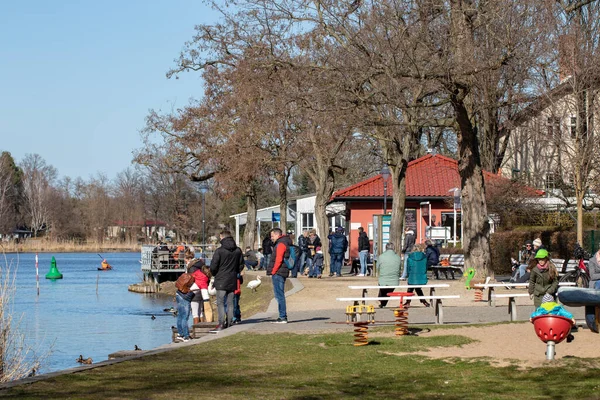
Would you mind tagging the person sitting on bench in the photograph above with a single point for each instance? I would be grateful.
(417, 273)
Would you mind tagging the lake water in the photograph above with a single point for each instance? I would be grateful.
(88, 312)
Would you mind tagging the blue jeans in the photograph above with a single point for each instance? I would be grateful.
(303, 259)
(336, 263)
(237, 313)
(183, 314)
(405, 270)
(225, 297)
(522, 269)
(279, 292)
(363, 256)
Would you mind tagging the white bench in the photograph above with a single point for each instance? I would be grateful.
(491, 286)
(456, 261)
(563, 266)
(431, 287)
(437, 302)
(512, 303)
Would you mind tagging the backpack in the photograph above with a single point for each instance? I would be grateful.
(292, 256)
(184, 282)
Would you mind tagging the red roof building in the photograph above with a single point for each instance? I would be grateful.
(430, 181)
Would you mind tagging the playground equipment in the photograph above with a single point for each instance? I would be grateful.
(353, 315)
(552, 329)
(583, 297)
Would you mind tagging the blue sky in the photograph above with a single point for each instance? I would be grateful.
(77, 78)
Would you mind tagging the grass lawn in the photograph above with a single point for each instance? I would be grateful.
(318, 366)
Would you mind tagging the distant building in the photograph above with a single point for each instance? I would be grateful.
(146, 228)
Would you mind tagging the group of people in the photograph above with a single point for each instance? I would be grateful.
(226, 274)
(176, 253)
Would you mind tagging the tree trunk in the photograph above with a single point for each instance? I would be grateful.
(250, 230)
(282, 181)
(323, 179)
(476, 227)
(398, 203)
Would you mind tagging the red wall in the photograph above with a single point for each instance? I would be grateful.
(362, 213)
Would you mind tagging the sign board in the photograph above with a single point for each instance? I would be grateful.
(410, 219)
(275, 217)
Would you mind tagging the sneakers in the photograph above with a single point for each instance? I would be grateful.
(235, 321)
(319, 277)
(178, 339)
(360, 275)
(402, 279)
(426, 303)
(281, 321)
(218, 329)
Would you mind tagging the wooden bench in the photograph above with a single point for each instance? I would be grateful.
(456, 261)
(431, 287)
(437, 302)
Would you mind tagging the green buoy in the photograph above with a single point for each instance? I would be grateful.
(53, 274)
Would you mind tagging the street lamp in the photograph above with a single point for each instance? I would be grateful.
(385, 174)
(203, 189)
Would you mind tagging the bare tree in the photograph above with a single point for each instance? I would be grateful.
(10, 192)
(37, 180)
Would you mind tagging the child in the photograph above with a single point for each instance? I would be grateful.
(317, 264)
(201, 276)
(543, 279)
(550, 307)
(237, 313)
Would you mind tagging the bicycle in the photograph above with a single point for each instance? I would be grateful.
(580, 276)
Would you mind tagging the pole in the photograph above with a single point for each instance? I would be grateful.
(454, 231)
(37, 274)
(204, 219)
(384, 197)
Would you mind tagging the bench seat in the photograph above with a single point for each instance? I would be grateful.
(512, 303)
(431, 287)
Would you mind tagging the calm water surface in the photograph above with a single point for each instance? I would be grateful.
(88, 312)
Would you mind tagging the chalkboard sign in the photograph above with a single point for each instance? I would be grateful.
(410, 219)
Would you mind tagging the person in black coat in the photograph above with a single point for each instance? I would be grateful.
(226, 264)
(432, 253)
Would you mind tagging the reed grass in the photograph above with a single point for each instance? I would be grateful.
(43, 245)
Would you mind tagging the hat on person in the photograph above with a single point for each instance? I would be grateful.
(547, 298)
(537, 242)
(541, 253)
(528, 242)
(339, 229)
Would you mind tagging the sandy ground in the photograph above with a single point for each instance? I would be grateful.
(503, 344)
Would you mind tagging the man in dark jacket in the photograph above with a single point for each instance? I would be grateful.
(279, 270)
(338, 244)
(226, 264)
(409, 243)
(432, 253)
(364, 246)
(305, 252)
(267, 246)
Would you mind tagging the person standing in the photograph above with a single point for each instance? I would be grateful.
(267, 247)
(305, 252)
(417, 274)
(279, 271)
(364, 247)
(388, 264)
(314, 242)
(543, 279)
(226, 264)
(338, 244)
(594, 268)
(409, 244)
